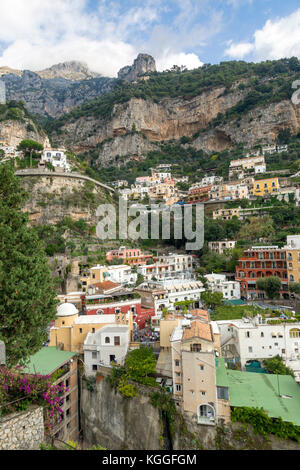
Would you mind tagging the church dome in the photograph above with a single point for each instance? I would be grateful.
(66, 310)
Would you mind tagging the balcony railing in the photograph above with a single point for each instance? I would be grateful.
(211, 421)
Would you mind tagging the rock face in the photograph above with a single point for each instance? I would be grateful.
(72, 70)
(13, 132)
(57, 90)
(52, 199)
(52, 97)
(143, 64)
(165, 120)
(173, 118)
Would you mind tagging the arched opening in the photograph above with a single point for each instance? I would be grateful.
(206, 414)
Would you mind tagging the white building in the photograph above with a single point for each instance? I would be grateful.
(165, 293)
(2, 92)
(56, 157)
(168, 266)
(259, 339)
(107, 345)
(253, 163)
(222, 245)
(218, 283)
(120, 273)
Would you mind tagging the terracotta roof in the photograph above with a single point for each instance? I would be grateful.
(198, 312)
(105, 285)
(198, 329)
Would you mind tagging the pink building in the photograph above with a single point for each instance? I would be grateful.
(129, 255)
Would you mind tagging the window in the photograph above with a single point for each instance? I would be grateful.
(250, 349)
(94, 366)
(80, 330)
(203, 393)
(294, 333)
(247, 334)
(201, 367)
(222, 393)
(94, 355)
(176, 362)
(262, 334)
(195, 347)
(117, 340)
(107, 340)
(178, 388)
(93, 330)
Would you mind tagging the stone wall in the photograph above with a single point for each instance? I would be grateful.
(22, 431)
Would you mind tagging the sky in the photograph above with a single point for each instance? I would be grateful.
(109, 34)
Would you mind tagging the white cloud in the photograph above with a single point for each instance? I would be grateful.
(167, 60)
(277, 39)
(35, 35)
(238, 51)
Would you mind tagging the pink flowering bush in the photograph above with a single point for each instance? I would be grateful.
(18, 391)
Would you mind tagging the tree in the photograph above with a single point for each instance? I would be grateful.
(256, 228)
(295, 288)
(27, 295)
(271, 285)
(275, 365)
(212, 299)
(140, 363)
(29, 146)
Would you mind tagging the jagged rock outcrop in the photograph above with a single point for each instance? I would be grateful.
(53, 198)
(13, 132)
(143, 64)
(52, 97)
(71, 70)
(173, 118)
(165, 120)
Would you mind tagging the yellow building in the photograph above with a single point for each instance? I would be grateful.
(266, 186)
(292, 249)
(226, 214)
(70, 329)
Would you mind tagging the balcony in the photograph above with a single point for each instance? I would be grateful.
(210, 421)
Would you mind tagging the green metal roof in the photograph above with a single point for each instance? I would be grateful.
(235, 302)
(47, 360)
(262, 391)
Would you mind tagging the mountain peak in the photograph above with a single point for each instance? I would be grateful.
(143, 64)
(70, 70)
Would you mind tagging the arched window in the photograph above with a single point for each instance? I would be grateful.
(99, 312)
(107, 340)
(206, 413)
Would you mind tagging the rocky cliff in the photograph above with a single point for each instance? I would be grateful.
(53, 198)
(13, 132)
(143, 64)
(175, 118)
(52, 97)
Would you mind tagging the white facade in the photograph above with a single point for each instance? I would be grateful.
(167, 266)
(121, 274)
(56, 157)
(218, 283)
(222, 245)
(255, 340)
(107, 345)
(177, 290)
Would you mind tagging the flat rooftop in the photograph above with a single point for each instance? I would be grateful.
(47, 360)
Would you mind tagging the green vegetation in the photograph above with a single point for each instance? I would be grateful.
(275, 365)
(229, 312)
(270, 285)
(139, 367)
(30, 148)
(278, 76)
(264, 425)
(212, 299)
(27, 293)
